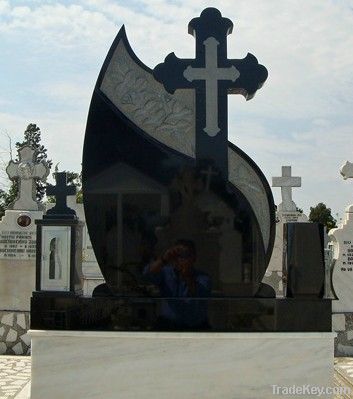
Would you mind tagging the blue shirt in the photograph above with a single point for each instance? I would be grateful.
(181, 308)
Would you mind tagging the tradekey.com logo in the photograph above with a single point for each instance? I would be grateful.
(309, 390)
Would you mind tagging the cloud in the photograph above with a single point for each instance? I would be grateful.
(53, 50)
(59, 24)
(4, 6)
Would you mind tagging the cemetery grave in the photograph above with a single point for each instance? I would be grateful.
(341, 241)
(286, 213)
(182, 224)
(18, 253)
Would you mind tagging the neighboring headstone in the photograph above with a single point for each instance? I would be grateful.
(286, 213)
(26, 171)
(18, 233)
(303, 265)
(341, 242)
(92, 276)
(18, 248)
(287, 182)
(59, 245)
(342, 276)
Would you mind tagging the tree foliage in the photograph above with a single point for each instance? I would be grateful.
(321, 214)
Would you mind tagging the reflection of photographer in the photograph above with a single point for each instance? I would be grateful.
(177, 279)
(175, 275)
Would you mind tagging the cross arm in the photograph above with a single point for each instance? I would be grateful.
(290, 181)
(41, 171)
(11, 170)
(252, 77)
(170, 73)
(50, 190)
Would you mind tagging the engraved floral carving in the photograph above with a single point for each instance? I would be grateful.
(246, 180)
(145, 102)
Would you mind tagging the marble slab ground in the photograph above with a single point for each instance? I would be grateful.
(343, 376)
(177, 365)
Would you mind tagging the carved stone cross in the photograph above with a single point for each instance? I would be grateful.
(61, 191)
(26, 171)
(213, 76)
(347, 170)
(286, 182)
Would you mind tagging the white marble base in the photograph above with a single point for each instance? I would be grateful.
(127, 365)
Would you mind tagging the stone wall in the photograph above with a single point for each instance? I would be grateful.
(14, 339)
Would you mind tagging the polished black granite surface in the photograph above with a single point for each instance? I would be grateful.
(304, 263)
(142, 197)
(182, 222)
(147, 314)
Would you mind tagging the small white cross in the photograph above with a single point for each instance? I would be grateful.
(209, 173)
(286, 182)
(26, 171)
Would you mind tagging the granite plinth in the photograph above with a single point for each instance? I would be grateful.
(144, 314)
(177, 365)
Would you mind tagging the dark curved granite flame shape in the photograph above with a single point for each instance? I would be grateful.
(143, 190)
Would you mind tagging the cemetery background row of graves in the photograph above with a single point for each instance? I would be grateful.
(25, 202)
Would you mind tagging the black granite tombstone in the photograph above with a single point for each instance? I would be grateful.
(144, 193)
(59, 246)
(60, 191)
(303, 259)
(181, 220)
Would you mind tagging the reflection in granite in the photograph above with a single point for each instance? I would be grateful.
(143, 314)
(138, 206)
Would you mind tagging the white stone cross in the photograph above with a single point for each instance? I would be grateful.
(347, 170)
(26, 171)
(211, 74)
(286, 182)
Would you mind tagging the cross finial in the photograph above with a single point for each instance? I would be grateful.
(286, 182)
(213, 76)
(26, 171)
(61, 191)
(347, 170)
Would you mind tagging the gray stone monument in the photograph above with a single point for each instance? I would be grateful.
(286, 212)
(341, 241)
(26, 171)
(18, 252)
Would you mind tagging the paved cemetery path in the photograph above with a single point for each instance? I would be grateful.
(15, 377)
(344, 374)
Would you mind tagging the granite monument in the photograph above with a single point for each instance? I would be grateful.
(182, 223)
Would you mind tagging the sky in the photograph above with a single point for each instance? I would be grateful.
(51, 53)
